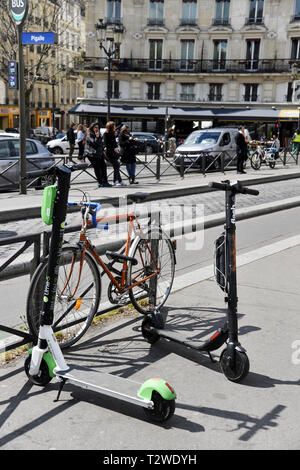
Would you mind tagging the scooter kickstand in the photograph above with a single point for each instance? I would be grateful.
(211, 358)
(61, 385)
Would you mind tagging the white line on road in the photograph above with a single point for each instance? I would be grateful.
(198, 275)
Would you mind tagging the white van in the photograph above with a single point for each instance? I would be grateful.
(208, 142)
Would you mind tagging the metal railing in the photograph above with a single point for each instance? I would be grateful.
(193, 65)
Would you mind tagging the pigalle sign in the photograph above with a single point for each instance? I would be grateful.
(18, 9)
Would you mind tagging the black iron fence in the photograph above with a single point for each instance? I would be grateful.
(190, 65)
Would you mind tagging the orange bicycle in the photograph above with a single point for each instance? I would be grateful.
(145, 278)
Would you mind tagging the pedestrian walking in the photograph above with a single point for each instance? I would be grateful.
(80, 141)
(71, 139)
(128, 151)
(242, 150)
(93, 150)
(112, 151)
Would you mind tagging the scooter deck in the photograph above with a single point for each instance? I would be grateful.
(105, 384)
(214, 342)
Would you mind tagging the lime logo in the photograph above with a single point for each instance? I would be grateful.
(62, 225)
(45, 299)
(18, 9)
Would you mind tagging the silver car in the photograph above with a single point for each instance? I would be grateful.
(37, 157)
(209, 143)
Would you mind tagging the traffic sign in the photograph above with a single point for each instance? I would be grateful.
(18, 9)
(39, 38)
(13, 75)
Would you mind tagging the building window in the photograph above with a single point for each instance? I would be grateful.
(187, 54)
(215, 92)
(187, 92)
(222, 12)
(219, 62)
(114, 11)
(295, 53)
(296, 16)
(155, 47)
(256, 11)
(251, 92)
(252, 54)
(189, 8)
(289, 95)
(156, 12)
(153, 92)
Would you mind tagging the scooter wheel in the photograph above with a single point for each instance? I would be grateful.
(147, 332)
(43, 377)
(163, 409)
(241, 369)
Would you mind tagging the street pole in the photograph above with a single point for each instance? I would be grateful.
(108, 85)
(22, 116)
(53, 106)
(19, 11)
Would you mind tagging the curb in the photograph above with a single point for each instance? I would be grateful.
(173, 229)
(9, 215)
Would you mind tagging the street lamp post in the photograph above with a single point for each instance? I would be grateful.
(114, 46)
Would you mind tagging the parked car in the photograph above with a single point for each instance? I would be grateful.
(44, 133)
(148, 142)
(208, 142)
(61, 145)
(38, 157)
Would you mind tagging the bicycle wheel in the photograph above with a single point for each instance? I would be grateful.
(74, 308)
(255, 161)
(153, 276)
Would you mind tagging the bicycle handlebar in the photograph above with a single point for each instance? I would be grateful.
(237, 187)
(52, 170)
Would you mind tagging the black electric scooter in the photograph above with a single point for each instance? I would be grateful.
(234, 361)
(46, 360)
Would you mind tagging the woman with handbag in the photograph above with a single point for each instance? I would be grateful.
(128, 146)
(93, 150)
(112, 151)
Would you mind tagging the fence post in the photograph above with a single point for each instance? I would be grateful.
(182, 167)
(203, 163)
(284, 156)
(222, 162)
(158, 167)
(36, 256)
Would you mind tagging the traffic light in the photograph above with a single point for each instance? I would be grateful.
(296, 91)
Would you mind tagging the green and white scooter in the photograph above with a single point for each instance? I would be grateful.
(46, 361)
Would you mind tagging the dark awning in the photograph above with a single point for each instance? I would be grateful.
(184, 113)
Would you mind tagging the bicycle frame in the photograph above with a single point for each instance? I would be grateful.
(107, 267)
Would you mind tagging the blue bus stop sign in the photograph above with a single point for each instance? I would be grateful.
(18, 9)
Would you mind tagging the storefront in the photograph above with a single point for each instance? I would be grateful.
(259, 121)
(9, 117)
(43, 117)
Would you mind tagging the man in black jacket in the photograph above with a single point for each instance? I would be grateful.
(242, 150)
(71, 139)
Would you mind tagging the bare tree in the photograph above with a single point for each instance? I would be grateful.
(43, 15)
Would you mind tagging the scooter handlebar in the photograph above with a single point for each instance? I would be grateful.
(237, 186)
(52, 170)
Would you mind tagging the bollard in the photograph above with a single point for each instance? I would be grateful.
(203, 163)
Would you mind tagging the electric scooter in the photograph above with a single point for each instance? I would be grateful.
(234, 361)
(46, 360)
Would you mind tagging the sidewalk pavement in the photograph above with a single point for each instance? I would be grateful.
(14, 206)
(211, 412)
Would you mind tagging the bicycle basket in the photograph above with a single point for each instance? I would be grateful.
(220, 262)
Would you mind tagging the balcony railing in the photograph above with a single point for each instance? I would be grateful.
(188, 22)
(257, 20)
(155, 21)
(221, 22)
(187, 96)
(192, 66)
(153, 96)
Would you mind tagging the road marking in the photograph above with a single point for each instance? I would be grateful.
(207, 272)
